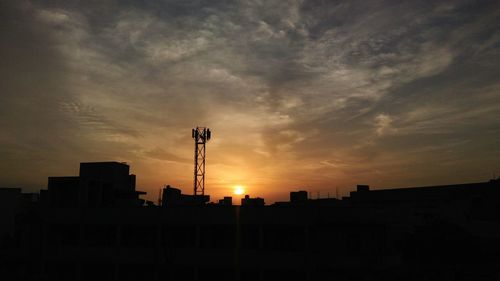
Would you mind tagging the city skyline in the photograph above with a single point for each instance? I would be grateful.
(311, 95)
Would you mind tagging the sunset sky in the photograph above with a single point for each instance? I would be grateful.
(312, 95)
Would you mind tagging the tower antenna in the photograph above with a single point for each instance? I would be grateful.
(200, 135)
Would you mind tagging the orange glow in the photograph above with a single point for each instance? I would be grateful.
(239, 190)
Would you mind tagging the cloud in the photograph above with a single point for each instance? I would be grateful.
(383, 125)
(293, 90)
(161, 154)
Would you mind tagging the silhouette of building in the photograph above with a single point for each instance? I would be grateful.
(226, 201)
(298, 197)
(10, 205)
(247, 201)
(100, 184)
(172, 196)
(424, 233)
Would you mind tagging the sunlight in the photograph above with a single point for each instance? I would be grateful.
(238, 190)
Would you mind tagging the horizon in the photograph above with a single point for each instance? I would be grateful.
(239, 191)
(300, 95)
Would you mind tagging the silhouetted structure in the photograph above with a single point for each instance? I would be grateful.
(200, 135)
(424, 233)
(173, 197)
(227, 201)
(11, 203)
(298, 197)
(247, 201)
(100, 184)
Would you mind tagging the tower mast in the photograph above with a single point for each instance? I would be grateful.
(200, 135)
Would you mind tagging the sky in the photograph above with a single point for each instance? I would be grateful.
(299, 95)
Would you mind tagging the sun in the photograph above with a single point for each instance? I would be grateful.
(238, 190)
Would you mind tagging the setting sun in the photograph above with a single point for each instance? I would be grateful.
(238, 190)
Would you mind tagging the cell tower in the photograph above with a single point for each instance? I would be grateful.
(200, 135)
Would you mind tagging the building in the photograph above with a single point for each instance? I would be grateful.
(425, 233)
(99, 184)
(172, 196)
(248, 201)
